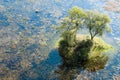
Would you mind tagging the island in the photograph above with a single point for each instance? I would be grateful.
(83, 50)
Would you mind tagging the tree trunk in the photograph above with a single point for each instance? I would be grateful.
(91, 35)
(92, 38)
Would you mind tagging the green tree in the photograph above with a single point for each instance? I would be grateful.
(69, 36)
(97, 23)
(77, 17)
(72, 23)
(74, 19)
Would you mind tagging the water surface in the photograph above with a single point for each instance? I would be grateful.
(27, 38)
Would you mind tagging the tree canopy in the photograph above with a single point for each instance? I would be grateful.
(73, 20)
(94, 21)
(97, 23)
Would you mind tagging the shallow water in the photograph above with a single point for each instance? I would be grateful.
(28, 36)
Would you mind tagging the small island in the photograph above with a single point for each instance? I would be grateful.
(83, 50)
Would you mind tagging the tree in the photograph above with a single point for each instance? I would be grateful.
(97, 23)
(74, 19)
(69, 36)
(72, 23)
(77, 17)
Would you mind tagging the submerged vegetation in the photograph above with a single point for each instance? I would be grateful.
(82, 50)
(28, 33)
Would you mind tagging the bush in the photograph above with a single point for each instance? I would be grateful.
(82, 50)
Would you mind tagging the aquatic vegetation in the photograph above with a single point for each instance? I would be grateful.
(112, 5)
(28, 34)
(66, 74)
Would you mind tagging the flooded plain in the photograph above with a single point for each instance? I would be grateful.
(28, 37)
